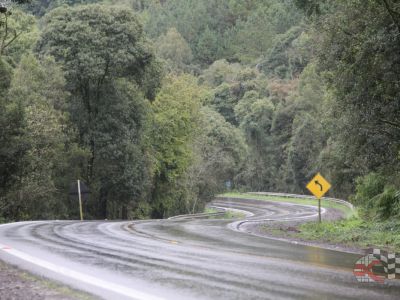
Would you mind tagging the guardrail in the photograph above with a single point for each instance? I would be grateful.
(223, 211)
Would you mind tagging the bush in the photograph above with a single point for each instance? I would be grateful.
(375, 199)
(387, 203)
(368, 187)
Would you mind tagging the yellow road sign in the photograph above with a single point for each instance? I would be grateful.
(318, 186)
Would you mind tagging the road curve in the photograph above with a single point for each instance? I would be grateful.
(188, 257)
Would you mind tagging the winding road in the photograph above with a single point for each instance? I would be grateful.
(187, 257)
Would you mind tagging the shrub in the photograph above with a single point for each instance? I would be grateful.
(387, 203)
(376, 199)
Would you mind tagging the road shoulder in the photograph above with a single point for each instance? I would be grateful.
(16, 284)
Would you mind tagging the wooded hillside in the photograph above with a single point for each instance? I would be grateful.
(156, 105)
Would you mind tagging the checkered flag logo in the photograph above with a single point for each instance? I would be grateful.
(390, 262)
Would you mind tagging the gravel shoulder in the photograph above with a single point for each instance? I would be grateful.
(16, 284)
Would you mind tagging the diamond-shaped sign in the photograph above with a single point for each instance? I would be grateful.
(318, 186)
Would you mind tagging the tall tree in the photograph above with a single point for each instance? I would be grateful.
(360, 59)
(37, 90)
(110, 69)
(176, 119)
(18, 33)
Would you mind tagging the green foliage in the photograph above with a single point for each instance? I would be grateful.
(377, 197)
(207, 47)
(111, 47)
(110, 70)
(18, 33)
(311, 7)
(306, 140)
(173, 48)
(41, 7)
(354, 232)
(215, 29)
(5, 77)
(282, 59)
(220, 149)
(368, 187)
(176, 111)
(12, 149)
(220, 72)
(283, 89)
(388, 203)
(357, 62)
(252, 37)
(34, 193)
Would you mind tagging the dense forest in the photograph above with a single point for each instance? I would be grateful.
(158, 104)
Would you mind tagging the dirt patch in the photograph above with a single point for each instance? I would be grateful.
(16, 284)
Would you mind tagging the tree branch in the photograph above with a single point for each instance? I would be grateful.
(16, 35)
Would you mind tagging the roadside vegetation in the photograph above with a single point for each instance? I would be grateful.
(377, 223)
(352, 230)
(229, 214)
(159, 105)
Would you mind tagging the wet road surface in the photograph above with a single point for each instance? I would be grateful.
(187, 258)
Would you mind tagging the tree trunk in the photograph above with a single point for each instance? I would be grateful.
(102, 208)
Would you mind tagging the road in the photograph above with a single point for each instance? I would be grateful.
(187, 258)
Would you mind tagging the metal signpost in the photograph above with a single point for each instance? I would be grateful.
(318, 186)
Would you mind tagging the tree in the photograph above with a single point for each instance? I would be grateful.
(282, 60)
(207, 47)
(11, 145)
(176, 119)
(252, 37)
(37, 90)
(255, 117)
(18, 33)
(220, 150)
(110, 69)
(360, 62)
(173, 48)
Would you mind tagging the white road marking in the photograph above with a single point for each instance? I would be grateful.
(93, 281)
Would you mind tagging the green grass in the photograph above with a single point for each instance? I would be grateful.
(229, 214)
(210, 210)
(326, 204)
(354, 232)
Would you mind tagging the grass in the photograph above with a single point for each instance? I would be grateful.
(229, 214)
(352, 231)
(61, 289)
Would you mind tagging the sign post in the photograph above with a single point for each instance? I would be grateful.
(318, 186)
(79, 188)
(80, 199)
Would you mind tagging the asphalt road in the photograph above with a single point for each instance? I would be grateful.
(187, 258)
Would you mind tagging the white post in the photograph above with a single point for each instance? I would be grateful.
(80, 199)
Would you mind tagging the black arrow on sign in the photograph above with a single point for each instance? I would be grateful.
(320, 185)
